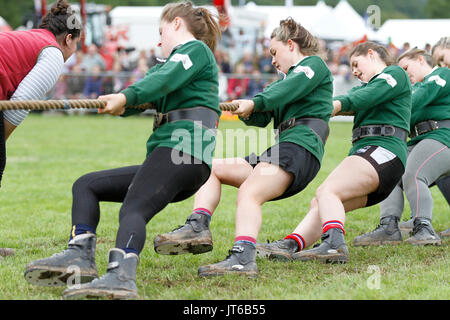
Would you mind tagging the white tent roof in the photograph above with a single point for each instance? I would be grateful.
(417, 32)
(341, 23)
(306, 15)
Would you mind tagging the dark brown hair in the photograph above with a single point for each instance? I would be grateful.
(362, 49)
(290, 29)
(199, 21)
(414, 54)
(61, 21)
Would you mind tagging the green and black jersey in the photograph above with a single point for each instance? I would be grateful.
(187, 79)
(305, 92)
(431, 101)
(385, 99)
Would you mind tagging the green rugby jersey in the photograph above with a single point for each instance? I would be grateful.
(385, 99)
(431, 101)
(305, 92)
(188, 78)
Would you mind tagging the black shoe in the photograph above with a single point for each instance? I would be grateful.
(332, 249)
(119, 282)
(241, 260)
(387, 232)
(76, 262)
(279, 250)
(193, 237)
(423, 233)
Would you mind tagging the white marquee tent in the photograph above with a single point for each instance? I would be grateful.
(418, 32)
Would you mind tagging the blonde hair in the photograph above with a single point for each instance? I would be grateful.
(290, 29)
(414, 54)
(199, 21)
(443, 43)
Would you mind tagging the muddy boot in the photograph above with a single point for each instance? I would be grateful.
(423, 233)
(406, 227)
(332, 249)
(76, 262)
(4, 252)
(241, 260)
(279, 250)
(119, 282)
(387, 232)
(193, 237)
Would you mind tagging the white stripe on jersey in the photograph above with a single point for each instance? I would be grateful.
(38, 82)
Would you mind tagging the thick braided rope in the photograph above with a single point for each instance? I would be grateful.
(79, 104)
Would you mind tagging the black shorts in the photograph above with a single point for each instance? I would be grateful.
(292, 158)
(389, 167)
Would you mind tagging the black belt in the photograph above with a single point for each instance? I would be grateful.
(427, 126)
(379, 130)
(206, 117)
(318, 126)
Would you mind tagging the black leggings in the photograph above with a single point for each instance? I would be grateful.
(144, 190)
(2, 146)
(444, 185)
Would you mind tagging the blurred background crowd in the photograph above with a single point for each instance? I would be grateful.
(98, 71)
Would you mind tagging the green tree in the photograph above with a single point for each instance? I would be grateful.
(438, 9)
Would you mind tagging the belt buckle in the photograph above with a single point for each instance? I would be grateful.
(434, 125)
(157, 121)
(291, 123)
(384, 133)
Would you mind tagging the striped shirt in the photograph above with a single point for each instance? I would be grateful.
(38, 82)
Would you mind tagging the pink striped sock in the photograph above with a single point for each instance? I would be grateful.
(245, 239)
(203, 211)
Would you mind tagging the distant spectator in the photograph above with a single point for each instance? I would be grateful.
(248, 61)
(141, 69)
(108, 58)
(265, 62)
(237, 86)
(255, 85)
(223, 86)
(223, 60)
(125, 60)
(152, 59)
(93, 86)
(75, 83)
(93, 58)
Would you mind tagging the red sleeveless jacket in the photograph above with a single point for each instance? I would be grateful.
(19, 51)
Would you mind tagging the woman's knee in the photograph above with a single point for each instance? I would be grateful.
(83, 182)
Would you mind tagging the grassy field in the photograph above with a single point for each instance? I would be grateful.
(47, 154)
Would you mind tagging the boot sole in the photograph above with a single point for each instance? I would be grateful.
(100, 293)
(377, 243)
(54, 277)
(183, 247)
(272, 255)
(424, 242)
(333, 259)
(212, 273)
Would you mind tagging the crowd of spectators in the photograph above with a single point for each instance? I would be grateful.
(102, 71)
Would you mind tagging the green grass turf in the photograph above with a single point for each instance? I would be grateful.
(48, 153)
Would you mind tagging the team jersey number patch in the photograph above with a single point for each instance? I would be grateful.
(183, 58)
(389, 79)
(439, 81)
(306, 70)
(382, 155)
